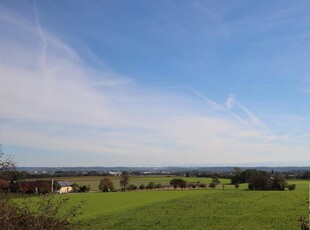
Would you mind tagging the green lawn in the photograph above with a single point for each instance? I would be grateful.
(195, 209)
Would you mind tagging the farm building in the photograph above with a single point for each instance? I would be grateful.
(64, 186)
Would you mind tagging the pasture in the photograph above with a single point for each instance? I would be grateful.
(195, 209)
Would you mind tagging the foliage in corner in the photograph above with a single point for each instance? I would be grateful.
(45, 212)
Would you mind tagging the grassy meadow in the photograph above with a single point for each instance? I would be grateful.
(194, 209)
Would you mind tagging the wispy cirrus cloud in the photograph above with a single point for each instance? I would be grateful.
(42, 35)
(252, 119)
(230, 101)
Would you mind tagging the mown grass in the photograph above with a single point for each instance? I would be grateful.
(226, 208)
(195, 209)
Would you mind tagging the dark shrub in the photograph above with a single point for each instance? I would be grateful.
(84, 188)
(304, 223)
(150, 185)
(142, 187)
(212, 185)
(202, 185)
(292, 186)
(132, 187)
(279, 183)
(178, 183)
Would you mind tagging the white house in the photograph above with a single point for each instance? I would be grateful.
(65, 186)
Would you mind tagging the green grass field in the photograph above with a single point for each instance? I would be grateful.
(195, 209)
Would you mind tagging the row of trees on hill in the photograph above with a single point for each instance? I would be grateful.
(260, 180)
(106, 185)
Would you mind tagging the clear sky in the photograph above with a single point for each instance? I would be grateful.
(155, 83)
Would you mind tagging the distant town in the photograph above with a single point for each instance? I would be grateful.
(37, 172)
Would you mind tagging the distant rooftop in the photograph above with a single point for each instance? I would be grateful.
(64, 183)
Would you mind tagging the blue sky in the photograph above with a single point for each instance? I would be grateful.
(155, 83)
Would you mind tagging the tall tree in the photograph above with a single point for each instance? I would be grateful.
(236, 178)
(236, 185)
(124, 181)
(106, 185)
(216, 180)
(7, 165)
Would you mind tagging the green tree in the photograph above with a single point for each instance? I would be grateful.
(158, 186)
(279, 183)
(260, 180)
(56, 186)
(75, 187)
(245, 176)
(84, 188)
(132, 187)
(178, 183)
(151, 185)
(142, 187)
(292, 186)
(124, 181)
(7, 166)
(236, 178)
(106, 185)
(236, 185)
(216, 180)
(212, 185)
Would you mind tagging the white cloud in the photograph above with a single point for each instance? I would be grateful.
(50, 100)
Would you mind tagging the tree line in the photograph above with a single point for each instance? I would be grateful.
(106, 184)
(261, 180)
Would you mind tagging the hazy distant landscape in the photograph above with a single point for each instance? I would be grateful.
(159, 114)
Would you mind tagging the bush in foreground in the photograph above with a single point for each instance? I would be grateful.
(46, 212)
(304, 223)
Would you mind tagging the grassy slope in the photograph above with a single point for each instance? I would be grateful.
(201, 209)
